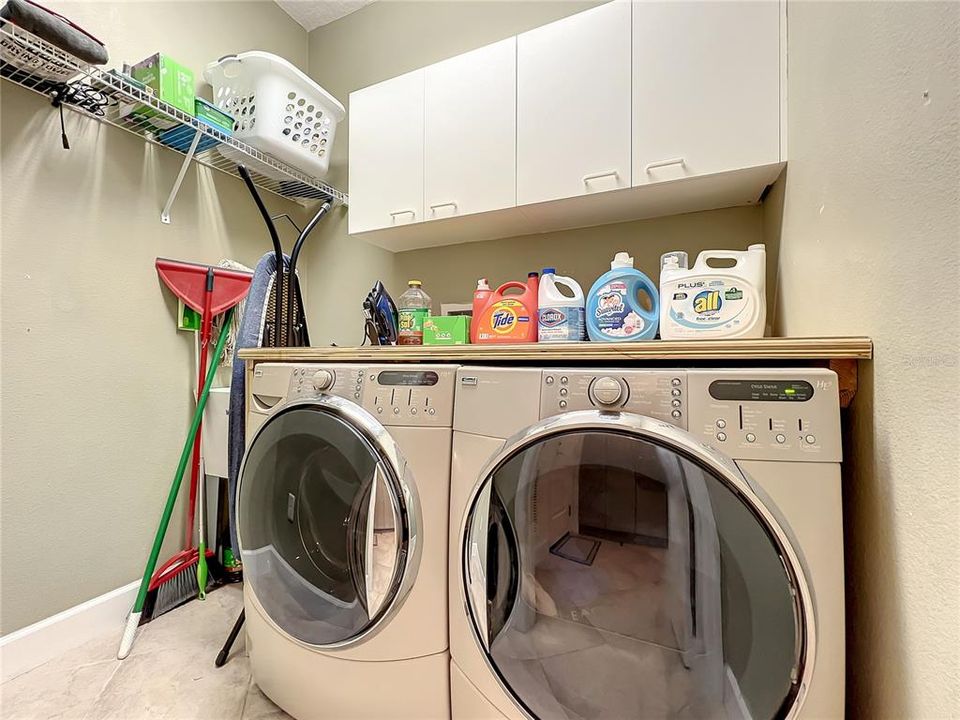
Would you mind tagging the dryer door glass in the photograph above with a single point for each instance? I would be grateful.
(323, 530)
(612, 575)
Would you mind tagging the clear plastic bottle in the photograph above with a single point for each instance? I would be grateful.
(413, 307)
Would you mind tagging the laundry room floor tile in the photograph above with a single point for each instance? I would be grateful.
(170, 674)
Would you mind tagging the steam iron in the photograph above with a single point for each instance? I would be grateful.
(380, 315)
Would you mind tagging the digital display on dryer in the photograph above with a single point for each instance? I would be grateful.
(762, 390)
(408, 377)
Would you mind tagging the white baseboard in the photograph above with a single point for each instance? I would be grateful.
(45, 640)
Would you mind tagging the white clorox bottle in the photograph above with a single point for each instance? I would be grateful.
(560, 316)
(709, 301)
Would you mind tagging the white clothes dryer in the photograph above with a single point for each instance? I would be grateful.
(632, 543)
(342, 508)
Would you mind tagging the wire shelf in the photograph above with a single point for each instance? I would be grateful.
(43, 68)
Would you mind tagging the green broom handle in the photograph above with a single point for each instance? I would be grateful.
(181, 468)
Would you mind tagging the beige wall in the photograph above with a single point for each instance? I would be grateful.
(870, 243)
(95, 379)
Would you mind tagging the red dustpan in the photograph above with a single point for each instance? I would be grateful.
(188, 281)
(210, 291)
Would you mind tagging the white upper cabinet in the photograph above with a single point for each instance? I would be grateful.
(573, 105)
(677, 104)
(470, 123)
(386, 154)
(706, 87)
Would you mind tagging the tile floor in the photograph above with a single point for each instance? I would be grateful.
(170, 674)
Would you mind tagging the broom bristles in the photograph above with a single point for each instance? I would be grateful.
(172, 593)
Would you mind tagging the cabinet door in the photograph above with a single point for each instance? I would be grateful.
(573, 105)
(706, 87)
(470, 124)
(386, 154)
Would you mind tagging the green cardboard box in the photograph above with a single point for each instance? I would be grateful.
(446, 330)
(212, 115)
(171, 82)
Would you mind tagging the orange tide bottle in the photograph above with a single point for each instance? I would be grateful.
(510, 318)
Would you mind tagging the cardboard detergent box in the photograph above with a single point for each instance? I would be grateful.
(446, 330)
(170, 81)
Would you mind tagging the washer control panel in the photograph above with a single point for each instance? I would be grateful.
(309, 380)
(659, 394)
(781, 414)
(417, 395)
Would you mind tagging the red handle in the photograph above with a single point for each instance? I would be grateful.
(512, 284)
(206, 323)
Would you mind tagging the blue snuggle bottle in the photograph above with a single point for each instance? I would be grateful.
(614, 310)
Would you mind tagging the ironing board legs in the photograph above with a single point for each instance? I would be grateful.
(231, 638)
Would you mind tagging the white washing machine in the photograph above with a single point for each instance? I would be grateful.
(342, 510)
(646, 544)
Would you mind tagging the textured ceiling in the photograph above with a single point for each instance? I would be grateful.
(311, 14)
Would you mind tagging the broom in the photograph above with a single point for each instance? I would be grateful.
(180, 582)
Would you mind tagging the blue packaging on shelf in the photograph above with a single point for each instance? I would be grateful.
(181, 137)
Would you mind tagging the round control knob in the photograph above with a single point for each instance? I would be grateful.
(322, 379)
(606, 391)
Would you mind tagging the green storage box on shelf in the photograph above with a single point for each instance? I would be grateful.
(171, 82)
(446, 330)
(212, 115)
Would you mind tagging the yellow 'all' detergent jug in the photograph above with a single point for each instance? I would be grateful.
(710, 301)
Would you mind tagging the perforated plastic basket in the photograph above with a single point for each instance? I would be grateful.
(278, 109)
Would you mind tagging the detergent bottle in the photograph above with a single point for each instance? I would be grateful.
(480, 296)
(560, 317)
(714, 302)
(615, 311)
(510, 318)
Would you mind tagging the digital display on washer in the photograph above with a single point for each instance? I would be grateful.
(762, 390)
(407, 377)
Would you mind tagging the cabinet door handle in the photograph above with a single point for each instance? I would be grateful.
(596, 176)
(397, 213)
(443, 204)
(665, 163)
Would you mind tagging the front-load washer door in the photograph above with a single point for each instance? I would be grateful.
(615, 568)
(328, 519)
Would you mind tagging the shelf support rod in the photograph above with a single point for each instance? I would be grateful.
(165, 213)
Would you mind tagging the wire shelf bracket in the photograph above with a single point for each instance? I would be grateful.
(188, 158)
(33, 63)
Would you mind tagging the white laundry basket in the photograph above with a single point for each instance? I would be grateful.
(278, 109)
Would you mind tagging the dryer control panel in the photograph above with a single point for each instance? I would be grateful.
(660, 394)
(776, 414)
(419, 395)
